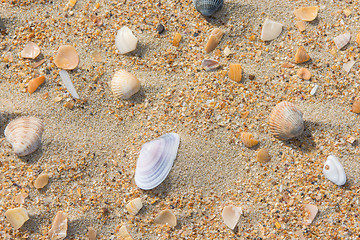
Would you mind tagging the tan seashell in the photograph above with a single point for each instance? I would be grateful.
(301, 25)
(41, 181)
(301, 55)
(17, 217)
(176, 40)
(91, 233)
(356, 105)
(134, 206)
(214, 39)
(24, 134)
(20, 198)
(231, 215)
(166, 217)
(31, 50)
(311, 211)
(59, 226)
(124, 84)
(306, 13)
(67, 57)
(248, 139)
(286, 121)
(235, 72)
(342, 40)
(263, 155)
(303, 73)
(123, 232)
(358, 38)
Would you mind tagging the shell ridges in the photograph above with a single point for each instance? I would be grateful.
(208, 7)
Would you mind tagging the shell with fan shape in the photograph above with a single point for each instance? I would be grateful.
(124, 84)
(24, 134)
(208, 7)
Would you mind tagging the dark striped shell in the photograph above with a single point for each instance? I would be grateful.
(208, 7)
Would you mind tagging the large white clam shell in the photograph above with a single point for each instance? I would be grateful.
(270, 30)
(334, 171)
(125, 40)
(155, 161)
(124, 84)
(24, 134)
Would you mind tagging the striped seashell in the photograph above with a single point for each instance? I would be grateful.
(235, 72)
(125, 41)
(286, 121)
(214, 39)
(208, 7)
(334, 171)
(134, 206)
(341, 40)
(155, 161)
(248, 139)
(24, 134)
(124, 84)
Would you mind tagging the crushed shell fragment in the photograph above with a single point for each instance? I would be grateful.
(59, 226)
(342, 40)
(248, 139)
(166, 217)
(17, 217)
(303, 73)
(123, 232)
(35, 83)
(67, 57)
(231, 215)
(214, 39)
(41, 181)
(301, 55)
(176, 40)
(263, 155)
(134, 206)
(356, 105)
(311, 211)
(270, 30)
(235, 72)
(31, 50)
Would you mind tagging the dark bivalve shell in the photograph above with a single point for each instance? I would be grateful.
(208, 7)
(286, 121)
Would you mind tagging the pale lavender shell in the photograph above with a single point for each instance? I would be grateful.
(342, 40)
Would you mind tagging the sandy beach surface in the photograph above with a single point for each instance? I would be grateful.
(90, 151)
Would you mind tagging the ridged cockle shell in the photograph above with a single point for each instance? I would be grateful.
(125, 40)
(155, 160)
(124, 84)
(286, 121)
(24, 134)
(334, 171)
(208, 7)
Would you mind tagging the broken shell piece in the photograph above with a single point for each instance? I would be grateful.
(134, 206)
(286, 121)
(214, 39)
(342, 40)
(67, 57)
(311, 211)
(263, 156)
(17, 217)
(20, 198)
(125, 40)
(91, 233)
(208, 7)
(124, 84)
(41, 181)
(231, 215)
(166, 217)
(334, 171)
(31, 50)
(301, 25)
(301, 55)
(303, 73)
(306, 13)
(176, 40)
(24, 134)
(235, 72)
(35, 83)
(348, 65)
(59, 226)
(356, 105)
(123, 232)
(358, 38)
(64, 75)
(248, 139)
(270, 30)
(209, 64)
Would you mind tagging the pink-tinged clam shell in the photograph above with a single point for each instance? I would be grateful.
(155, 161)
(231, 215)
(67, 57)
(341, 40)
(31, 50)
(210, 64)
(311, 211)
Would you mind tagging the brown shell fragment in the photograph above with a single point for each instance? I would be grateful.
(35, 83)
(356, 105)
(306, 13)
(67, 57)
(301, 55)
(263, 156)
(31, 50)
(17, 217)
(214, 39)
(235, 72)
(303, 73)
(41, 181)
(248, 139)
(166, 217)
(123, 232)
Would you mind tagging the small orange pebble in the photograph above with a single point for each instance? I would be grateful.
(356, 105)
(301, 55)
(248, 139)
(235, 72)
(303, 73)
(263, 156)
(301, 26)
(35, 83)
(358, 38)
(277, 225)
(176, 41)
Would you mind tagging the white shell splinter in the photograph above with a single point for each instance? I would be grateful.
(334, 171)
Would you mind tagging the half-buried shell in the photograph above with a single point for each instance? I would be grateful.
(24, 134)
(286, 121)
(208, 7)
(334, 171)
(155, 161)
(124, 84)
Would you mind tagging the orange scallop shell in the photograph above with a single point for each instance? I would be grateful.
(235, 72)
(263, 156)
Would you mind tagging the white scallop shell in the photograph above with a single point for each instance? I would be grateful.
(270, 30)
(231, 215)
(155, 161)
(341, 40)
(334, 171)
(125, 40)
(124, 84)
(24, 134)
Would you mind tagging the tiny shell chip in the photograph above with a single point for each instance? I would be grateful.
(342, 40)
(263, 156)
(176, 40)
(91, 233)
(348, 65)
(214, 39)
(306, 13)
(303, 73)
(210, 64)
(123, 232)
(311, 211)
(67, 57)
(166, 217)
(17, 217)
(31, 50)
(125, 40)
(59, 226)
(134, 206)
(35, 83)
(24, 134)
(356, 105)
(20, 198)
(231, 215)
(301, 55)
(235, 72)
(270, 30)
(248, 139)
(124, 84)
(301, 25)
(41, 181)
(358, 38)
(334, 171)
